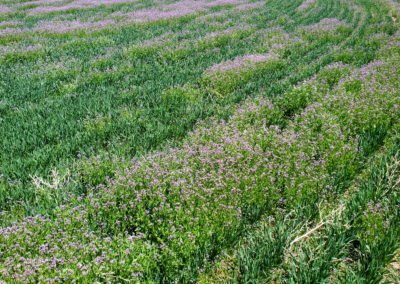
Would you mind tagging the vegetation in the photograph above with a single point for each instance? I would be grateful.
(220, 141)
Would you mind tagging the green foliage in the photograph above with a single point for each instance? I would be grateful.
(222, 83)
(94, 171)
(22, 57)
(240, 143)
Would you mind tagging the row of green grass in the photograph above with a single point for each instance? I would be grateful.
(117, 108)
(168, 215)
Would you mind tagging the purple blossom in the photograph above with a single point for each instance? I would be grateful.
(305, 5)
(325, 25)
(178, 9)
(12, 31)
(241, 62)
(9, 23)
(41, 2)
(77, 4)
(68, 26)
(5, 9)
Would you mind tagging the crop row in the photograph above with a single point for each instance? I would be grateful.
(170, 213)
(100, 97)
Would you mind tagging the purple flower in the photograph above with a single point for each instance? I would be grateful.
(5, 9)
(241, 62)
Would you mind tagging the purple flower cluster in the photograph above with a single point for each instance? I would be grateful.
(225, 77)
(67, 26)
(326, 25)
(12, 31)
(5, 9)
(166, 11)
(169, 45)
(226, 168)
(162, 12)
(74, 5)
(41, 2)
(305, 5)
(249, 6)
(391, 47)
(9, 23)
(174, 10)
(245, 61)
(67, 250)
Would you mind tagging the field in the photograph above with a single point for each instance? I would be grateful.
(200, 141)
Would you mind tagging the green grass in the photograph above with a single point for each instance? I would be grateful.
(126, 158)
(75, 86)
